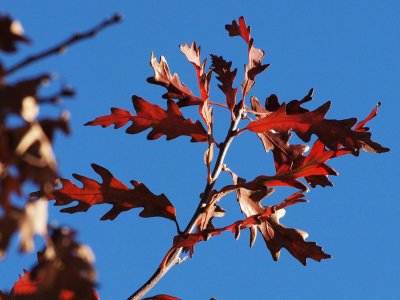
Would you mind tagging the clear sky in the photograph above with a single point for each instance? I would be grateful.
(348, 51)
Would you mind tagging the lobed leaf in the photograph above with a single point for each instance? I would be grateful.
(113, 192)
(333, 133)
(226, 77)
(291, 239)
(175, 89)
(168, 122)
(255, 66)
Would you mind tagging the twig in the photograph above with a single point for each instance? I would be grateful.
(174, 257)
(63, 45)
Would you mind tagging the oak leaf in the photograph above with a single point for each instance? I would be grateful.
(226, 77)
(28, 221)
(176, 90)
(113, 192)
(292, 239)
(170, 122)
(255, 66)
(192, 53)
(311, 165)
(333, 133)
(283, 152)
(277, 236)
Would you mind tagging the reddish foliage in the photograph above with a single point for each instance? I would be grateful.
(311, 165)
(111, 191)
(292, 239)
(333, 133)
(25, 286)
(192, 53)
(254, 67)
(226, 77)
(170, 122)
(176, 90)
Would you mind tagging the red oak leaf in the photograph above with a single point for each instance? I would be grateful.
(254, 67)
(113, 192)
(333, 133)
(292, 239)
(226, 77)
(170, 122)
(176, 90)
(275, 234)
(283, 152)
(192, 53)
(311, 165)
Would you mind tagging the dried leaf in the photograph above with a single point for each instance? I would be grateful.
(113, 192)
(11, 32)
(333, 133)
(13, 96)
(254, 67)
(30, 220)
(192, 53)
(283, 152)
(64, 271)
(291, 239)
(176, 90)
(170, 122)
(226, 77)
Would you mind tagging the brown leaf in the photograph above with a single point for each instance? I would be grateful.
(64, 271)
(113, 192)
(170, 122)
(30, 220)
(192, 53)
(11, 32)
(29, 149)
(275, 234)
(13, 97)
(176, 90)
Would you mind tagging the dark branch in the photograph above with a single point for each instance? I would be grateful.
(63, 45)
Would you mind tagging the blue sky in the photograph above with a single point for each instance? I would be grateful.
(346, 50)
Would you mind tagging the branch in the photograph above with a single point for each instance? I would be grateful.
(63, 45)
(174, 257)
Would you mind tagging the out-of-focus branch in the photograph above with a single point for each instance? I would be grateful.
(63, 45)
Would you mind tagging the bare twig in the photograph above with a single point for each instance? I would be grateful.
(63, 45)
(174, 257)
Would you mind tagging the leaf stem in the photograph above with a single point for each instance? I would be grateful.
(174, 257)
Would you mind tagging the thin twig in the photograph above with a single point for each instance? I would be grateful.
(63, 45)
(174, 257)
